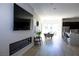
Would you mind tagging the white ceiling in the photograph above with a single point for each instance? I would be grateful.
(56, 9)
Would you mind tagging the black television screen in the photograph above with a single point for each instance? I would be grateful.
(22, 18)
(22, 24)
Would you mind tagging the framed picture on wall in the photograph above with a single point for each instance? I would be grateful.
(37, 23)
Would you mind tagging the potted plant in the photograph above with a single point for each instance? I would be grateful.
(38, 34)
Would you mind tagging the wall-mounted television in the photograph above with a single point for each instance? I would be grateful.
(22, 18)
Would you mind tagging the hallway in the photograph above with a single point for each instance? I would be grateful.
(17, 36)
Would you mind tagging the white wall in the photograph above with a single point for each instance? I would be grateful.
(7, 35)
